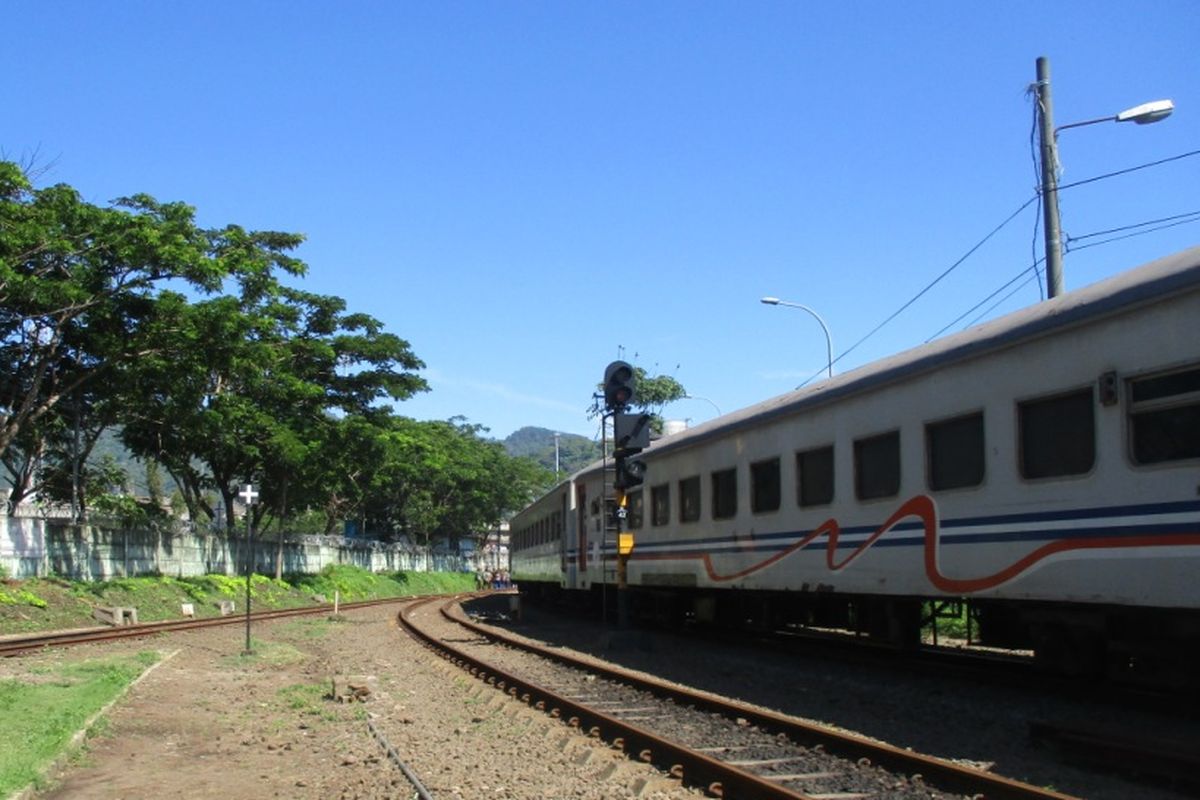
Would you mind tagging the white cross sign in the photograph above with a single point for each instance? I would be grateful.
(248, 494)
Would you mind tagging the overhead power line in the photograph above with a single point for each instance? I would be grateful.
(928, 286)
(1126, 171)
(1031, 268)
(994, 305)
(1166, 222)
(1130, 231)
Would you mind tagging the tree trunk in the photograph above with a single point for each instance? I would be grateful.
(279, 537)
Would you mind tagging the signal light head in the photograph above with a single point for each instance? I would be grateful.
(630, 473)
(618, 385)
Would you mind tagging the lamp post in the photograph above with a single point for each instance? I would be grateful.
(775, 301)
(705, 399)
(1142, 115)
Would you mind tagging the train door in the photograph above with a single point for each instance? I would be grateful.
(565, 568)
(581, 524)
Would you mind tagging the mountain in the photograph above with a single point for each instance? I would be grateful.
(574, 452)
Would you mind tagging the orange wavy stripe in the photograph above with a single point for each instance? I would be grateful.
(923, 507)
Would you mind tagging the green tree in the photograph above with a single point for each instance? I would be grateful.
(653, 393)
(443, 479)
(252, 384)
(80, 286)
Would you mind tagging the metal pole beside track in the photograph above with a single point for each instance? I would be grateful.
(248, 494)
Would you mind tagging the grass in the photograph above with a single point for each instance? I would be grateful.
(272, 654)
(308, 700)
(40, 715)
(54, 603)
(951, 623)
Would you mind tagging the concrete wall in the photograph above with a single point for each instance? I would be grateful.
(40, 547)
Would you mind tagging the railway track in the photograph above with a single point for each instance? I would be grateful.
(18, 645)
(730, 749)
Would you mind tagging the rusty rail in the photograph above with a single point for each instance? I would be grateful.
(702, 770)
(19, 645)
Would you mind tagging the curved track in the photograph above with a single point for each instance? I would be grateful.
(729, 748)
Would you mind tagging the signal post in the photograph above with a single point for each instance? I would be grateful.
(631, 435)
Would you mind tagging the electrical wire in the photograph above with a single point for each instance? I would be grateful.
(1189, 216)
(1193, 217)
(1126, 171)
(1037, 198)
(990, 308)
(1170, 222)
(972, 309)
(928, 286)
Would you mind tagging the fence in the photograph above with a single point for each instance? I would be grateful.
(37, 547)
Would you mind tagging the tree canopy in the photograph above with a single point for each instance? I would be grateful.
(187, 340)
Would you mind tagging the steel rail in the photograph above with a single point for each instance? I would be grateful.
(695, 768)
(944, 774)
(19, 645)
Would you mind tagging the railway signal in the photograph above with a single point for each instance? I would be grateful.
(619, 384)
(631, 432)
(630, 473)
(631, 435)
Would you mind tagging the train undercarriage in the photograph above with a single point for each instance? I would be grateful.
(1130, 645)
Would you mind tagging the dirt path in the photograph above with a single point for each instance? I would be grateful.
(211, 723)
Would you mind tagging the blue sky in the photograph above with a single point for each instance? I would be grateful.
(527, 191)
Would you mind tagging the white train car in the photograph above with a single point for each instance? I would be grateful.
(1045, 466)
(559, 540)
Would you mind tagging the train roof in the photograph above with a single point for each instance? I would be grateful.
(1166, 276)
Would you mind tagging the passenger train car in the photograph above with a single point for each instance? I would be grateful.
(1043, 467)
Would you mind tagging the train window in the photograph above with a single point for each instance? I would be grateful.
(689, 499)
(764, 486)
(636, 509)
(724, 493)
(877, 466)
(1057, 435)
(814, 476)
(660, 504)
(954, 452)
(1164, 415)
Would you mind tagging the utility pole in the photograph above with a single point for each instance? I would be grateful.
(1054, 276)
(1143, 114)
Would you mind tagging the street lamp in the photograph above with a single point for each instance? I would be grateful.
(705, 399)
(775, 301)
(1141, 115)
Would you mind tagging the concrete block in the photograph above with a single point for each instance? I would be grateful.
(187, 609)
(227, 607)
(116, 615)
(106, 615)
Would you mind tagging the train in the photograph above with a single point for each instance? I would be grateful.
(1039, 473)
